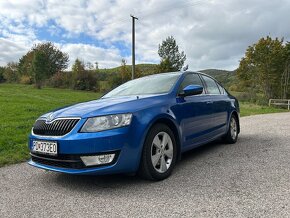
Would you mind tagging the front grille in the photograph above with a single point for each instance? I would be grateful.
(58, 127)
(62, 161)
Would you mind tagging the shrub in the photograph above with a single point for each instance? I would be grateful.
(234, 88)
(246, 96)
(27, 80)
(115, 81)
(86, 80)
(60, 80)
(104, 86)
(261, 100)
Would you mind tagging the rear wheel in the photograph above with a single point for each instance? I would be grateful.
(159, 153)
(232, 135)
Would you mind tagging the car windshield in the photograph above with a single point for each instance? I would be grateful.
(155, 84)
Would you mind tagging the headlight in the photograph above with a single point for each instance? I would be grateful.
(96, 124)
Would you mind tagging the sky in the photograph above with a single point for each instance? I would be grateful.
(212, 33)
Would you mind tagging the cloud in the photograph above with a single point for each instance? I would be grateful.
(212, 33)
(10, 51)
(105, 57)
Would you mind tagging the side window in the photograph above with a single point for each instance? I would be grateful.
(211, 85)
(190, 79)
(222, 90)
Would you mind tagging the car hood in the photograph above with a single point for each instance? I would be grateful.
(105, 106)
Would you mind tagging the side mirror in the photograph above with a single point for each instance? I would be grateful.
(192, 90)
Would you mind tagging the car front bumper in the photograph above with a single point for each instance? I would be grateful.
(124, 142)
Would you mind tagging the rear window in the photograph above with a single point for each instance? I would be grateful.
(211, 85)
(222, 90)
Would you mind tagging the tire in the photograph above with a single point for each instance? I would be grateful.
(231, 136)
(159, 153)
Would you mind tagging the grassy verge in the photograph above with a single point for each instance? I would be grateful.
(248, 109)
(20, 105)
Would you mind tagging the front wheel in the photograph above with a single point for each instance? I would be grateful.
(231, 136)
(159, 153)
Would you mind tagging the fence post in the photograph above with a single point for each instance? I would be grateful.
(288, 105)
(269, 102)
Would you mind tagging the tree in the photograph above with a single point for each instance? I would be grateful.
(89, 66)
(83, 79)
(285, 79)
(124, 71)
(39, 68)
(25, 63)
(171, 58)
(123, 75)
(262, 67)
(77, 68)
(56, 59)
(97, 66)
(2, 70)
(138, 72)
(165, 66)
(10, 73)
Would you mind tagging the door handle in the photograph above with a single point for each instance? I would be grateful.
(209, 102)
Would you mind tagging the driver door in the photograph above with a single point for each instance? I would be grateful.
(194, 113)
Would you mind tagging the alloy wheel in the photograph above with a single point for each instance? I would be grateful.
(162, 152)
(233, 128)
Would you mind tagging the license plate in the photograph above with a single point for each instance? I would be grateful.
(45, 147)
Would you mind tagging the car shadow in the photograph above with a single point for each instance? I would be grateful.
(115, 181)
(120, 181)
(201, 150)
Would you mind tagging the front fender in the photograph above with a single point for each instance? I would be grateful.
(148, 118)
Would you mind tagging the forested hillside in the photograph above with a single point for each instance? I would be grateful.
(226, 78)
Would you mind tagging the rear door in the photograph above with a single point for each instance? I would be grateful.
(219, 106)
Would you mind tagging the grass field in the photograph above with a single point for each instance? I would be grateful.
(20, 105)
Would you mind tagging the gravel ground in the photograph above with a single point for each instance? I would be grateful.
(248, 179)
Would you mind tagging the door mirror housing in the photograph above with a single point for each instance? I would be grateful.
(192, 90)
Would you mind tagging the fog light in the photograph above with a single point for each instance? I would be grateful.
(98, 159)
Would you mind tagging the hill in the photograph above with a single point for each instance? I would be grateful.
(144, 68)
(226, 78)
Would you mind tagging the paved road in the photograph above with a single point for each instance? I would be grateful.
(248, 179)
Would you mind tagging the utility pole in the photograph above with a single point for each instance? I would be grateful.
(133, 45)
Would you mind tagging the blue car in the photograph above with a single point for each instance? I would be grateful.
(142, 126)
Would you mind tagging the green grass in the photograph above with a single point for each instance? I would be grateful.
(20, 105)
(248, 109)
